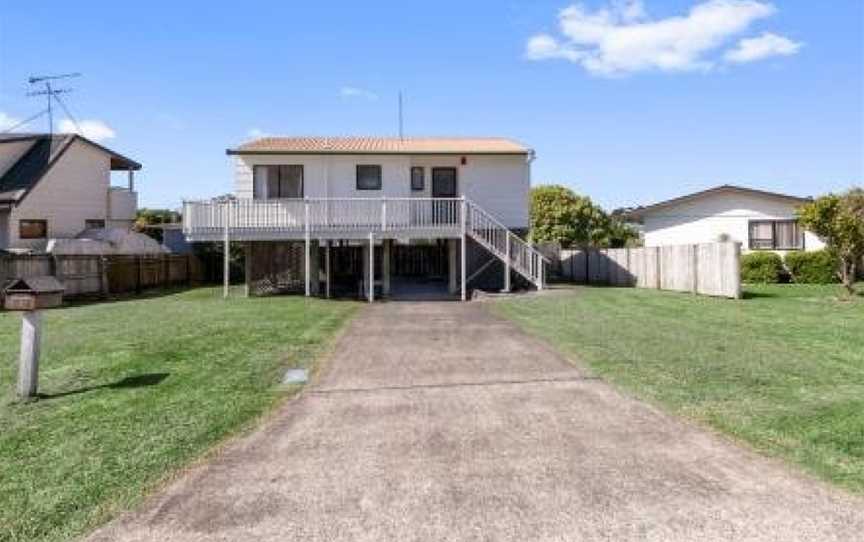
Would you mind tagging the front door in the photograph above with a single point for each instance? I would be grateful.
(444, 186)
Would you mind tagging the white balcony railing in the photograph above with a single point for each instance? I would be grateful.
(320, 215)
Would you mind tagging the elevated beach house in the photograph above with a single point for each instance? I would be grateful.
(373, 215)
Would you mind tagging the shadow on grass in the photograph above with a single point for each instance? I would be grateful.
(749, 294)
(130, 382)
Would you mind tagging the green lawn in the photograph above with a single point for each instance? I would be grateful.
(782, 369)
(133, 390)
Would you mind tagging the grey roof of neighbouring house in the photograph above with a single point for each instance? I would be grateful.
(44, 151)
(637, 213)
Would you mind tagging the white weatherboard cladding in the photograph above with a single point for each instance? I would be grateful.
(73, 191)
(499, 184)
(705, 219)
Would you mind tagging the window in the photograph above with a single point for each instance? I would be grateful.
(368, 177)
(418, 180)
(271, 182)
(33, 229)
(775, 235)
(94, 223)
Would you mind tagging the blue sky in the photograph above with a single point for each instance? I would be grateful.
(628, 102)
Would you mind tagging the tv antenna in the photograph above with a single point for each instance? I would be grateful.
(52, 94)
(401, 132)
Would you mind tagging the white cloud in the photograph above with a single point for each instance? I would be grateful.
(7, 121)
(766, 45)
(621, 38)
(355, 92)
(256, 132)
(91, 129)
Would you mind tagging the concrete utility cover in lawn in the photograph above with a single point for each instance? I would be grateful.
(438, 421)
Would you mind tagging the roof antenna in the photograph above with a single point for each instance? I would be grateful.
(52, 93)
(401, 132)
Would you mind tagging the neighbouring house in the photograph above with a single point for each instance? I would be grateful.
(56, 186)
(367, 214)
(757, 219)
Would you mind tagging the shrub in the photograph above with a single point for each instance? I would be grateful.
(817, 267)
(761, 267)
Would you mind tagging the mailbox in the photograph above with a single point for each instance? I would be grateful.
(33, 293)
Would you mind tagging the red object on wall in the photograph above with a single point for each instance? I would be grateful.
(464, 160)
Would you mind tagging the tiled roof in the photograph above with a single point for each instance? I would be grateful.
(382, 145)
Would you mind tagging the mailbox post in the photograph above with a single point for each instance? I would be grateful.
(30, 296)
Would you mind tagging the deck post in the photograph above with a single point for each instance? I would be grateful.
(226, 257)
(452, 263)
(371, 281)
(327, 270)
(247, 271)
(463, 260)
(507, 262)
(385, 266)
(308, 247)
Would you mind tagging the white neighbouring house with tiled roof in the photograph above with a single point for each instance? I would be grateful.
(308, 209)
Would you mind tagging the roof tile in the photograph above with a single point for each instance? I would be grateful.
(372, 145)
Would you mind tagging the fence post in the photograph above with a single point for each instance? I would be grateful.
(137, 274)
(659, 267)
(695, 264)
(103, 273)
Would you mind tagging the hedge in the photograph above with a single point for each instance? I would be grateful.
(761, 267)
(817, 267)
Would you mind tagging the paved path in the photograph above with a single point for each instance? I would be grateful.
(438, 421)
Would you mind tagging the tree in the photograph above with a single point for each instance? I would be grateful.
(150, 217)
(839, 221)
(620, 234)
(560, 215)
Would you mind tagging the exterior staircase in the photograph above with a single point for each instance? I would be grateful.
(514, 252)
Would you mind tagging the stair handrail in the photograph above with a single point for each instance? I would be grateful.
(519, 243)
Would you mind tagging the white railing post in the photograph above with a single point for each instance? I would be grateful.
(540, 263)
(226, 257)
(383, 214)
(463, 262)
(507, 261)
(307, 236)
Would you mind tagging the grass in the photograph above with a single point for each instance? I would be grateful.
(782, 370)
(135, 390)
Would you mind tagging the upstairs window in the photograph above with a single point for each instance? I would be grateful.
(418, 179)
(33, 229)
(368, 177)
(275, 182)
(776, 235)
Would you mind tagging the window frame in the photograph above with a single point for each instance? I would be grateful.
(41, 221)
(774, 245)
(380, 182)
(278, 169)
(421, 186)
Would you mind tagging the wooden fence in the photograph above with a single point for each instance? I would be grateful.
(707, 268)
(104, 275)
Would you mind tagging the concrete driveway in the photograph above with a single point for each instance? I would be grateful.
(438, 421)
